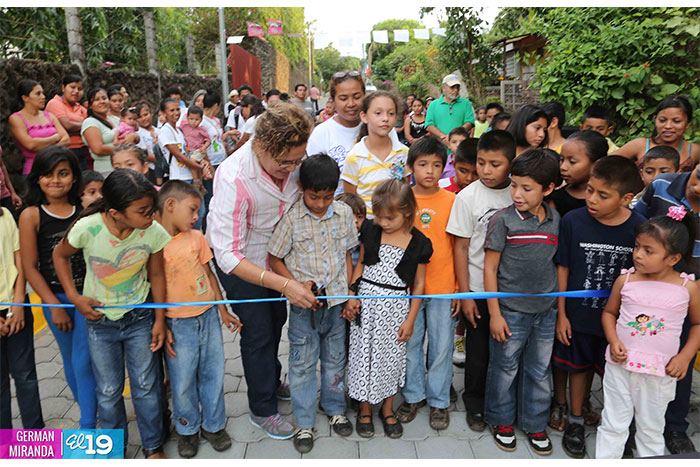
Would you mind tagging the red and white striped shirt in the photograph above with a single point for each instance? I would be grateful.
(245, 208)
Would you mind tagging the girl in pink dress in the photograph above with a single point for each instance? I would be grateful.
(642, 322)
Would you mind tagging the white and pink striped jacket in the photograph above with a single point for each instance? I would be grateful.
(245, 208)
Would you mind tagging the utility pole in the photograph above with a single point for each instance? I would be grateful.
(308, 34)
(149, 25)
(222, 50)
(75, 39)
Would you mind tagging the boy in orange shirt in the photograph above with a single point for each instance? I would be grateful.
(427, 158)
(194, 343)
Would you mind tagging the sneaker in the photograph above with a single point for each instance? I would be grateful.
(439, 418)
(677, 442)
(304, 441)
(341, 425)
(459, 356)
(220, 440)
(407, 411)
(476, 421)
(504, 437)
(574, 440)
(188, 445)
(540, 443)
(276, 426)
(283, 393)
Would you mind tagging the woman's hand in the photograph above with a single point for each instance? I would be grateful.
(16, 200)
(132, 138)
(405, 331)
(298, 295)
(85, 306)
(61, 320)
(14, 323)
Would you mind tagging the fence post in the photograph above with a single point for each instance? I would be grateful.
(75, 39)
(150, 32)
(191, 62)
(222, 51)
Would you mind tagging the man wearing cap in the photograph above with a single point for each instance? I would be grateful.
(232, 103)
(449, 111)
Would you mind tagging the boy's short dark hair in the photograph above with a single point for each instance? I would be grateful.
(272, 92)
(359, 208)
(555, 109)
(466, 152)
(498, 140)
(90, 176)
(542, 165)
(298, 86)
(178, 190)
(597, 111)
(195, 110)
(458, 131)
(211, 99)
(498, 118)
(171, 90)
(319, 172)
(620, 173)
(662, 152)
(427, 145)
(245, 87)
(494, 105)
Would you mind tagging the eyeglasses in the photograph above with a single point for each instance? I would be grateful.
(345, 74)
(297, 163)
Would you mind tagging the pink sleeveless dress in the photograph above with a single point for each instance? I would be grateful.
(35, 131)
(650, 322)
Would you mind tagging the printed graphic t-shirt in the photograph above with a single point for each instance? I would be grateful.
(116, 269)
(431, 219)
(595, 254)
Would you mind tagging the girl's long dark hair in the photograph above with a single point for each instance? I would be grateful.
(523, 117)
(45, 162)
(24, 88)
(121, 188)
(91, 97)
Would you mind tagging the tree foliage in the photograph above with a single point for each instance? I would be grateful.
(626, 59)
(414, 68)
(380, 51)
(328, 61)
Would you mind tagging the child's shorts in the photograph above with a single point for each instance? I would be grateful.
(585, 352)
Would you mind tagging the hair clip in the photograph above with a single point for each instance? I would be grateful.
(677, 213)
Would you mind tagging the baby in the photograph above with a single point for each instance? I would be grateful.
(127, 125)
(198, 141)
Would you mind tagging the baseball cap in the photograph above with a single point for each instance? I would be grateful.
(450, 80)
(232, 93)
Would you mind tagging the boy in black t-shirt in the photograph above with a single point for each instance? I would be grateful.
(595, 243)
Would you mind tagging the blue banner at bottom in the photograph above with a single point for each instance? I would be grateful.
(93, 444)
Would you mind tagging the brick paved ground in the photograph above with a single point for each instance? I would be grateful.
(418, 441)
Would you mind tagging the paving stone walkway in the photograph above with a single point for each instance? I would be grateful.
(418, 442)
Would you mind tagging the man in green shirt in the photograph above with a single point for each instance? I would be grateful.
(449, 111)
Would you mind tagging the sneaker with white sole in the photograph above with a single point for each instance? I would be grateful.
(504, 437)
(282, 392)
(459, 356)
(304, 441)
(276, 426)
(341, 425)
(540, 443)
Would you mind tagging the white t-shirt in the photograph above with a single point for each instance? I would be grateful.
(170, 135)
(249, 126)
(231, 122)
(216, 150)
(469, 218)
(146, 143)
(336, 140)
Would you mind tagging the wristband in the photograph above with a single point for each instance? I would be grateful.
(262, 274)
(284, 287)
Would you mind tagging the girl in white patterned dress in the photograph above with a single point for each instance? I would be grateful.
(393, 256)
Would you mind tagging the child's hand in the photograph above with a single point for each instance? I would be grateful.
(231, 322)
(61, 319)
(169, 341)
(350, 309)
(677, 367)
(158, 334)
(405, 331)
(3, 329)
(499, 329)
(470, 311)
(563, 330)
(618, 352)
(85, 306)
(15, 323)
(455, 307)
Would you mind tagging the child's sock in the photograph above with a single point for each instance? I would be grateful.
(575, 419)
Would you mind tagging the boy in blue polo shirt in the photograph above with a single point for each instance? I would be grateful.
(521, 241)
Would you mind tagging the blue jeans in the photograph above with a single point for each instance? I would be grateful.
(17, 360)
(111, 342)
(197, 373)
(77, 367)
(433, 317)
(524, 359)
(306, 345)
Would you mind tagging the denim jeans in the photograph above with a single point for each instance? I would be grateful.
(197, 373)
(433, 317)
(77, 367)
(306, 345)
(111, 342)
(525, 359)
(17, 360)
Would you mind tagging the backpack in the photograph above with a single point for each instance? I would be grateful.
(162, 164)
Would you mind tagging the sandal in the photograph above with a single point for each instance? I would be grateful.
(364, 429)
(590, 416)
(391, 430)
(558, 414)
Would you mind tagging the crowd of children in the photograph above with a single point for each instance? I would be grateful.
(517, 208)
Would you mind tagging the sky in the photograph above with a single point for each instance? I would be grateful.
(349, 36)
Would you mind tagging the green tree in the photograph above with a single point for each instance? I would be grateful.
(413, 68)
(379, 51)
(626, 59)
(328, 61)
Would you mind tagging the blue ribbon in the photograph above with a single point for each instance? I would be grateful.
(449, 296)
